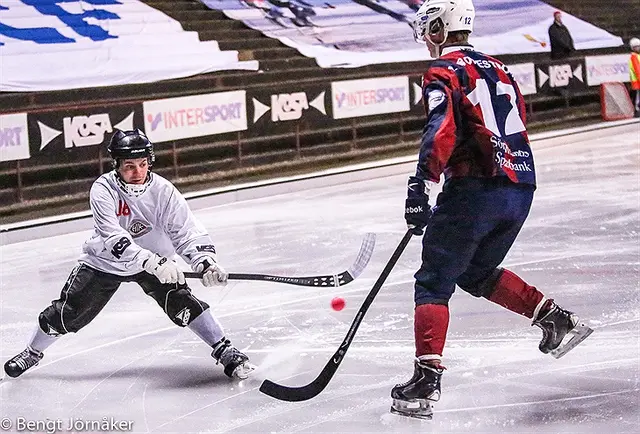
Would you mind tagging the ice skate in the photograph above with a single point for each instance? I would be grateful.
(20, 363)
(236, 364)
(562, 330)
(414, 397)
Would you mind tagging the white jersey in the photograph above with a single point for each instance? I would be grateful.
(128, 230)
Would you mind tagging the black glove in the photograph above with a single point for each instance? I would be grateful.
(417, 211)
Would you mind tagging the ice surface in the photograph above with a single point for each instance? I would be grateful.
(579, 246)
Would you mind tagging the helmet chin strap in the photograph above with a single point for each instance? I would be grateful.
(437, 47)
(437, 50)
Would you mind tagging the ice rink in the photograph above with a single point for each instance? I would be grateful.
(580, 246)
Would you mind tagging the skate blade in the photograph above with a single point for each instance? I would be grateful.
(419, 409)
(578, 334)
(243, 371)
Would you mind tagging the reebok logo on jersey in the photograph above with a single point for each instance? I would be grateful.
(413, 210)
(184, 315)
(436, 97)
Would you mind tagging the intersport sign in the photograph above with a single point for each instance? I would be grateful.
(195, 116)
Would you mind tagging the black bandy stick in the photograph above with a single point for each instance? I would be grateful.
(340, 279)
(285, 393)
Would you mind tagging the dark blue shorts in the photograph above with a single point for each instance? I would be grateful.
(472, 228)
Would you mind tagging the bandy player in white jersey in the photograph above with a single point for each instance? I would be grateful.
(140, 222)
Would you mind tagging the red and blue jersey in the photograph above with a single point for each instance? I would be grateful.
(476, 120)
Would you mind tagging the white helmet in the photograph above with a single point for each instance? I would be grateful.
(634, 43)
(436, 18)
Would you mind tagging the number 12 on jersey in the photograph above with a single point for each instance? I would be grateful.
(481, 95)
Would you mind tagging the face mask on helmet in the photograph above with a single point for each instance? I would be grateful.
(133, 190)
(436, 18)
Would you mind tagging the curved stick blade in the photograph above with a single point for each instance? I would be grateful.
(364, 255)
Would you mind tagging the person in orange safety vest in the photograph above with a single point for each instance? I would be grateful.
(634, 72)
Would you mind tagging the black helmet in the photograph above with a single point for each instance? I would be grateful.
(129, 145)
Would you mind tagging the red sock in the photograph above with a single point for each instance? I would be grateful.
(513, 293)
(431, 322)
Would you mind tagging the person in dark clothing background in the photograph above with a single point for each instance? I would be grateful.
(560, 38)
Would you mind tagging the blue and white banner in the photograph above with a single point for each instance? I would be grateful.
(67, 44)
(352, 33)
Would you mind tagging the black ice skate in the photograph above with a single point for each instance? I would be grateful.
(236, 364)
(561, 330)
(18, 365)
(414, 397)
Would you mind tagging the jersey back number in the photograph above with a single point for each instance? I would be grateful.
(482, 96)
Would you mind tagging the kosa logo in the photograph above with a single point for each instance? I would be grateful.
(86, 130)
(559, 75)
(288, 106)
(82, 130)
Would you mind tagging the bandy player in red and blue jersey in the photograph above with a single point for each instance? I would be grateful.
(476, 136)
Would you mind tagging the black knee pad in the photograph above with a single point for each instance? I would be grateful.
(483, 288)
(50, 322)
(182, 307)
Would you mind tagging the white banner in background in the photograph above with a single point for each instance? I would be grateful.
(353, 33)
(195, 116)
(525, 75)
(371, 96)
(14, 137)
(601, 69)
(68, 44)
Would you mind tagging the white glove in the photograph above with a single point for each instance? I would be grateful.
(165, 270)
(212, 273)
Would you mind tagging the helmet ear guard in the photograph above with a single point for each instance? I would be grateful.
(437, 32)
